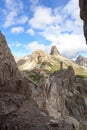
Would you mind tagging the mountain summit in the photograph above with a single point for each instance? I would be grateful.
(81, 61)
(54, 51)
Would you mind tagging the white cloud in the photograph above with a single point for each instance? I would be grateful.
(43, 17)
(36, 45)
(67, 33)
(60, 26)
(15, 44)
(14, 13)
(10, 19)
(31, 32)
(22, 19)
(14, 5)
(17, 30)
(18, 44)
(70, 44)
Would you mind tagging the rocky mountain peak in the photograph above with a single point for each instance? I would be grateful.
(81, 61)
(39, 56)
(54, 51)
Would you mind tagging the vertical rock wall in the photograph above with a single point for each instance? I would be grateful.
(83, 15)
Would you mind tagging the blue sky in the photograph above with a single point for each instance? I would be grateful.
(38, 24)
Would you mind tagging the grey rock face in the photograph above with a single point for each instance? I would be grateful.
(11, 79)
(83, 15)
(54, 51)
(60, 96)
(81, 61)
(10, 103)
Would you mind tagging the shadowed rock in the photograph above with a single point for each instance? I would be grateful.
(59, 95)
(11, 79)
(83, 15)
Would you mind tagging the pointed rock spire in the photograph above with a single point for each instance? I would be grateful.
(54, 51)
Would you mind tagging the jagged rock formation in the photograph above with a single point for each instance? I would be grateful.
(60, 96)
(81, 61)
(83, 15)
(54, 51)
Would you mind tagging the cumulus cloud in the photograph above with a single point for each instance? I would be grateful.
(10, 19)
(70, 44)
(17, 30)
(31, 32)
(62, 27)
(13, 4)
(43, 16)
(13, 13)
(36, 45)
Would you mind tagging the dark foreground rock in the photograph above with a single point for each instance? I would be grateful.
(30, 117)
(60, 96)
(11, 79)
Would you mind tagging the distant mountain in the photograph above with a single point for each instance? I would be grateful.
(54, 51)
(81, 61)
(40, 63)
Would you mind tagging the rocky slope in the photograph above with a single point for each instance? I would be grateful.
(15, 90)
(11, 79)
(82, 61)
(63, 97)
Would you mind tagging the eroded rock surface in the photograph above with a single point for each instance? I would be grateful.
(60, 96)
(11, 79)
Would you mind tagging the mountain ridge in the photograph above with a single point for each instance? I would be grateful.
(48, 63)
